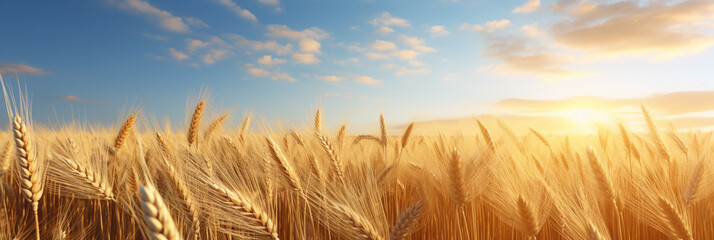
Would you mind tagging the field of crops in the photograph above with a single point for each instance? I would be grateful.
(137, 180)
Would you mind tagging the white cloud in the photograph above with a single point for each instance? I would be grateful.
(282, 76)
(178, 55)
(417, 44)
(404, 71)
(283, 31)
(269, 60)
(384, 30)
(331, 78)
(438, 31)
(380, 45)
(386, 19)
(489, 27)
(309, 45)
(367, 80)
(373, 55)
(243, 13)
(406, 54)
(529, 6)
(165, 19)
(306, 58)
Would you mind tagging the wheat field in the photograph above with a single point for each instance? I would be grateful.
(138, 181)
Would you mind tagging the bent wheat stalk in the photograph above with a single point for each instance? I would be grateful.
(195, 124)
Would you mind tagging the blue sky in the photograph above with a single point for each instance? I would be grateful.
(412, 60)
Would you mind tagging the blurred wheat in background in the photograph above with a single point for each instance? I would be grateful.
(136, 181)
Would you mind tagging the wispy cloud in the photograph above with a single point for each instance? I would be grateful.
(178, 55)
(417, 44)
(380, 45)
(19, 68)
(269, 60)
(635, 28)
(331, 78)
(70, 98)
(283, 31)
(405, 71)
(241, 12)
(438, 31)
(269, 45)
(164, 18)
(306, 58)
(489, 27)
(367, 80)
(259, 72)
(527, 7)
(386, 19)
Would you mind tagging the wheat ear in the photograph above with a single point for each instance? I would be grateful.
(601, 177)
(30, 178)
(406, 135)
(124, 132)
(157, 215)
(456, 178)
(383, 130)
(357, 223)
(341, 136)
(244, 128)
(406, 221)
(527, 217)
(215, 125)
(654, 133)
(284, 165)
(257, 216)
(5, 165)
(540, 137)
(87, 175)
(332, 155)
(690, 193)
(674, 220)
(195, 124)
(486, 136)
(318, 122)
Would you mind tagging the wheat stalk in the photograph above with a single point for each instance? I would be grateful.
(383, 130)
(690, 193)
(87, 175)
(124, 132)
(406, 135)
(540, 137)
(456, 178)
(244, 128)
(157, 215)
(357, 223)
(284, 165)
(214, 126)
(601, 176)
(341, 136)
(31, 180)
(406, 221)
(318, 123)
(675, 222)
(256, 215)
(195, 123)
(330, 151)
(654, 133)
(486, 136)
(527, 217)
(5, 159)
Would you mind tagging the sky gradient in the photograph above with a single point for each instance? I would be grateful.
(412, 60)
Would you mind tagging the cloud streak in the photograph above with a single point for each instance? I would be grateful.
(165, 19)
(20, 68)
